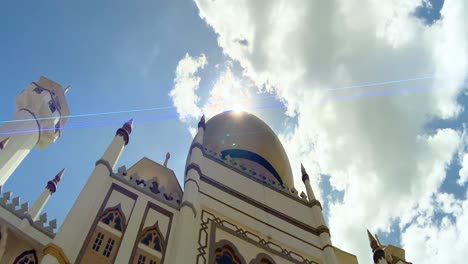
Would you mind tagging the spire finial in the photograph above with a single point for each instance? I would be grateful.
(59, 175)
(4, 143)
(129, 125)
(202, 122)
(52, 185)
(126, 130)
(67, 89)
(305, 176)
(373, 242)
(168, 156)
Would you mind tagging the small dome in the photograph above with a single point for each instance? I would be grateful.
(250, 142)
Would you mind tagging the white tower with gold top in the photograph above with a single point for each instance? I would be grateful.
(41, 113)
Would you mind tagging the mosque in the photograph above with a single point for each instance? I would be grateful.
(238, 203)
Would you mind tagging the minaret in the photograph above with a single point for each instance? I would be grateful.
(187, 225)
(324, 231)
(306, 181)
(41, 113)
(50, 188)
(88, 203)
(377, 251)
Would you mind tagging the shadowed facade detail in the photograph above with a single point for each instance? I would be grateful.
(27, 257)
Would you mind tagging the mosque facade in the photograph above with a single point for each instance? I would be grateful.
(238, 205)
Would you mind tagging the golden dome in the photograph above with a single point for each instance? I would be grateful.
(251, 142)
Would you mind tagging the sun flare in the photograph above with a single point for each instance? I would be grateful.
(238, 108)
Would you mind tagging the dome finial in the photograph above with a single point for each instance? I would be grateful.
(201, 123)
(168, 156)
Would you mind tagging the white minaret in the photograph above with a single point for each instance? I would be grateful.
(50, 188)
(324, 232)
(72, 233)
(187, 227)
(41, 113)
(378, 253)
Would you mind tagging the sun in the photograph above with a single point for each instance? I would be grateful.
(238, 108)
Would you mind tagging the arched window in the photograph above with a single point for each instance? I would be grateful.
(151, 246)
(226, 253)
(262, 258)
(27, 257)
(103, 245)
(113, 218)
(152, 238)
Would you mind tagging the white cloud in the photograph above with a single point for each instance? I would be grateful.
(375, 149)
(463, 173)
(227, 91)
(186, 83)
(429, 241)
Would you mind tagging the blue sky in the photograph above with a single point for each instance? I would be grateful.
(122, 55)
(117, 57)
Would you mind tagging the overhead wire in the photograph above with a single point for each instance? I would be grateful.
(260, 107)
(255, 98)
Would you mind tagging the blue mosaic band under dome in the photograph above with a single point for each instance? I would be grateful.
(244, 137)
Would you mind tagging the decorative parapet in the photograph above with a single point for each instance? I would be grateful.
(150, 188)
(252, 174)
(21, 211)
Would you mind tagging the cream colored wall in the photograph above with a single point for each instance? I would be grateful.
(125, 202)
(137, 220)
(289, 233)
(249, 251)
(149, 170)
(24, 227)
(17, 245)
(72, 234)
(155, 216)
(272, 198)
(257, 220)
(252, 217)
(345, 257)
(262, 231)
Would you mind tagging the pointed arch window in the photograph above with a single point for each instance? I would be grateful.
(27, 257)
(150, 245)
(262, 258)
(103, 244)
(113, 218)
(227, 254)
(152, 238)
